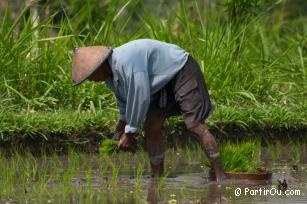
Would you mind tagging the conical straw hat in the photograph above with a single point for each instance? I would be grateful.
(86, 60)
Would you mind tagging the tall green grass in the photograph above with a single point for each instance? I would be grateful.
(250, 63)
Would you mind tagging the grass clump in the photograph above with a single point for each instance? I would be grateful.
(243, 157)
(108, 147)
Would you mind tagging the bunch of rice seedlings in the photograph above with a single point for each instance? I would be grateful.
(243, 157)
(108, 146)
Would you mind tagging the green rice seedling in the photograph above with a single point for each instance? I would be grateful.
(162, 180)
(108, 146)
(275, 150)
(272, 151)
(56, 167)
(138, 177)
(65, 182)
(43, 176)
(142, 157)
(73, 161)
(89, 176)
(123, 161)
(113, 169)
(8, 177)
(103, 168)
(172, 159)
(3, 166)
(294, 151)
(244, 157)
(114, 177)
(188, 155)
(85, 162)
(193, 153)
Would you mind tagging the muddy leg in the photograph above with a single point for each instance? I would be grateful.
(155, 146)
(210, 149)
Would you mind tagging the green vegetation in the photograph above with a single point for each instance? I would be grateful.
(80, 176)
(244, 157)
(60, 129)
(64, 128)
(253, 55)
(292, 146)
(108, 146)
(61, 178)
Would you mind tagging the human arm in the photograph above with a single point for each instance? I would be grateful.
(138, 100)
(126, 140)
(121, 123)
(120, 129)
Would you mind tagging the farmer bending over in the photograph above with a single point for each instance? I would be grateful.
(151, 80)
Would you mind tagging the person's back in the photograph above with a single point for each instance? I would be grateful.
(160, 60)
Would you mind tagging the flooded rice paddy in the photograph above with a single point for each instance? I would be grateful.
(125, 178)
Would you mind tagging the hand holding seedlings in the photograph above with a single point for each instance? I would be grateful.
(127, 142)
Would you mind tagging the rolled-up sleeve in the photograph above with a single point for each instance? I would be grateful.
(138, 100)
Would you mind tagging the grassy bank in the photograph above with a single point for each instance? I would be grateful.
(56, 130)
(61, 129)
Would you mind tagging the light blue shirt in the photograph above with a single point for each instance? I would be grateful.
(140, 69)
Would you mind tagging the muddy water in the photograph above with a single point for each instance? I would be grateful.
(192, 184)
(187, 180)
(195, 187)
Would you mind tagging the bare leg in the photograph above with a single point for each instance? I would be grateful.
(155, 146)
(211, 150)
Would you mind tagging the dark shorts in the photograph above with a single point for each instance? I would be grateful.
(186, 95)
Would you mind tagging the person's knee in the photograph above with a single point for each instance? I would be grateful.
(157, 159)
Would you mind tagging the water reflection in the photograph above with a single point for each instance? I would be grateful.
(214, 194)
(86, 178)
